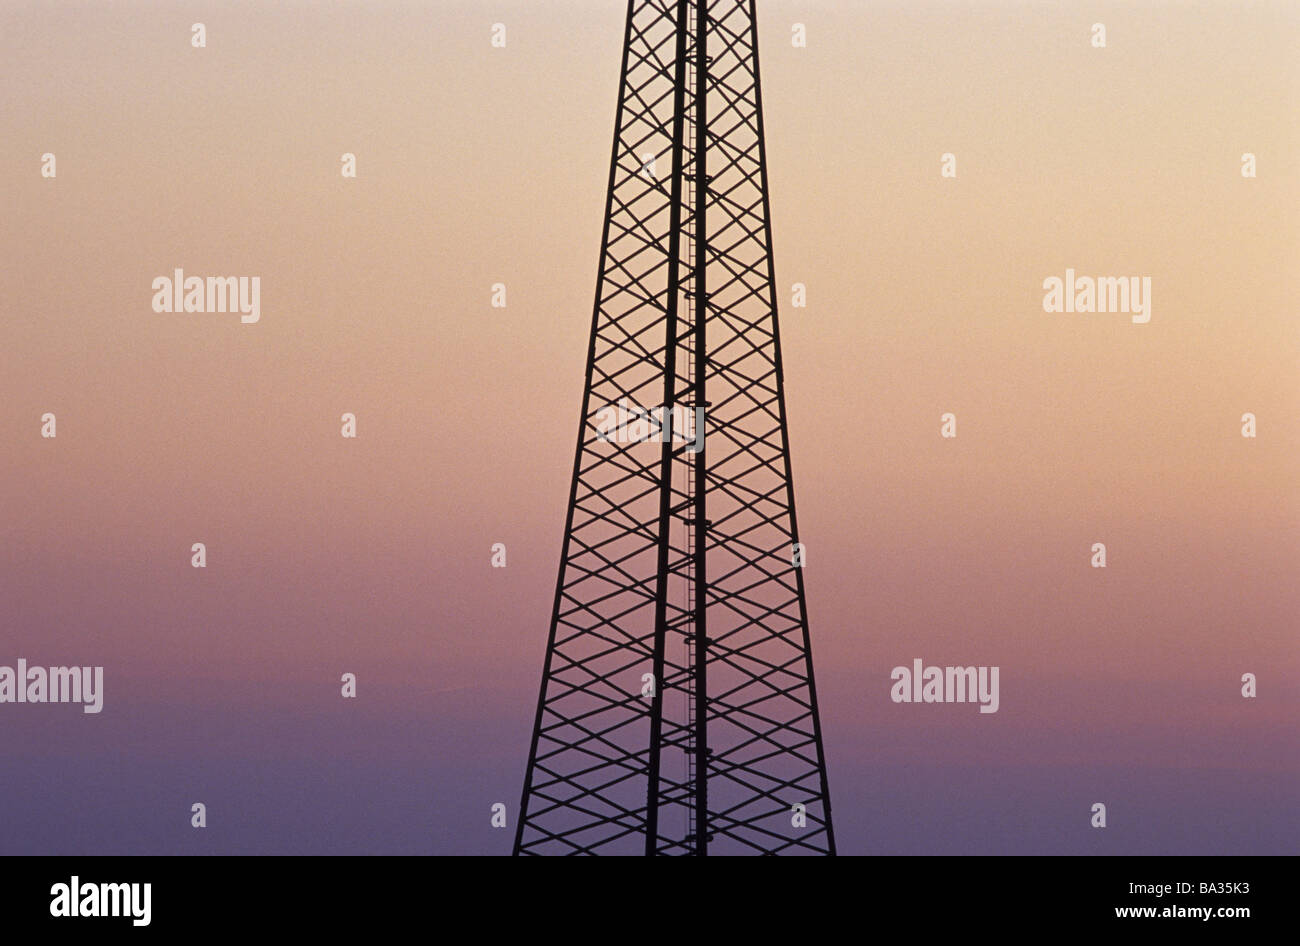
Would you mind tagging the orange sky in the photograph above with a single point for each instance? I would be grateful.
(478, 165)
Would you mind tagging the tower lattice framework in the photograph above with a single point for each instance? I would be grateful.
(678, 713)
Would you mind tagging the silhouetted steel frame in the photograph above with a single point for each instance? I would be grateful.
(521, 820)
(666, 454)
(630, 819)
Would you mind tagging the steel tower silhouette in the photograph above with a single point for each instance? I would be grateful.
(677, 712)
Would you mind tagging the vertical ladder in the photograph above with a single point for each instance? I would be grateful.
(688, 744)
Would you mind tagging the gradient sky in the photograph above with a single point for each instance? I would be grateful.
(479, 165)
